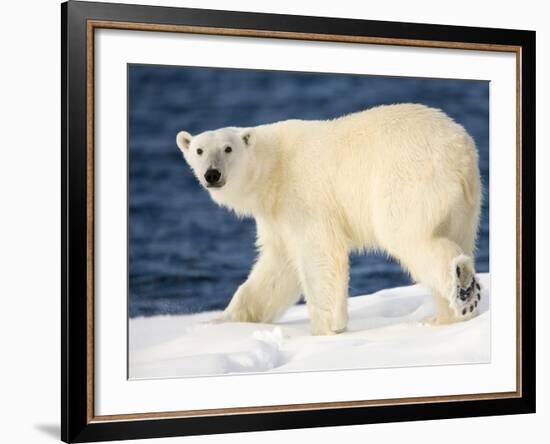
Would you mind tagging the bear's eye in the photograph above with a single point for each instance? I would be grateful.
(199, 151)
(228, 149)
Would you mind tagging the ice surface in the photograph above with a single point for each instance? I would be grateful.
(385, 329)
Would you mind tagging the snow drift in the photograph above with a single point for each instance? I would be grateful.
(385, 329)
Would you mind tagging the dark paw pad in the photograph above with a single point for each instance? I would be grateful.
(466, 293)
(467, 296)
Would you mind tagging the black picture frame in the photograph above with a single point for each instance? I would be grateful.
(77, 425)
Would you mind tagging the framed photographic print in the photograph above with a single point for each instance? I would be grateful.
(276, 221)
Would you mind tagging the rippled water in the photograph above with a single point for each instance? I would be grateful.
(188, 255)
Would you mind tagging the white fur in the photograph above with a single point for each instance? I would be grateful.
(402, 179)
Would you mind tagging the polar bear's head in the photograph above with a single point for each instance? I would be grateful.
(219, 159)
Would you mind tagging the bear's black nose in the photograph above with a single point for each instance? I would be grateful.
(212, 176)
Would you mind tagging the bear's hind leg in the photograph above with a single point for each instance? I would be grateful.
(443, 312)
(466, 291)
(441, 264)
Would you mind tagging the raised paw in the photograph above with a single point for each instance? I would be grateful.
(467, 294)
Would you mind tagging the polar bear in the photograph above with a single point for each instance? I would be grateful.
(402, 179)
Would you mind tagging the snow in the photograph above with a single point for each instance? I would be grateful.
(385, 329)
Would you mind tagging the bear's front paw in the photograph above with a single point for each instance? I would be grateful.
(232, 315)
(326, 322)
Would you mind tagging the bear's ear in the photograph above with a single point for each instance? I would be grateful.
(183, 139)
(248, 137)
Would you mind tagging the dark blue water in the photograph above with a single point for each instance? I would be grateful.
(185, 253)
